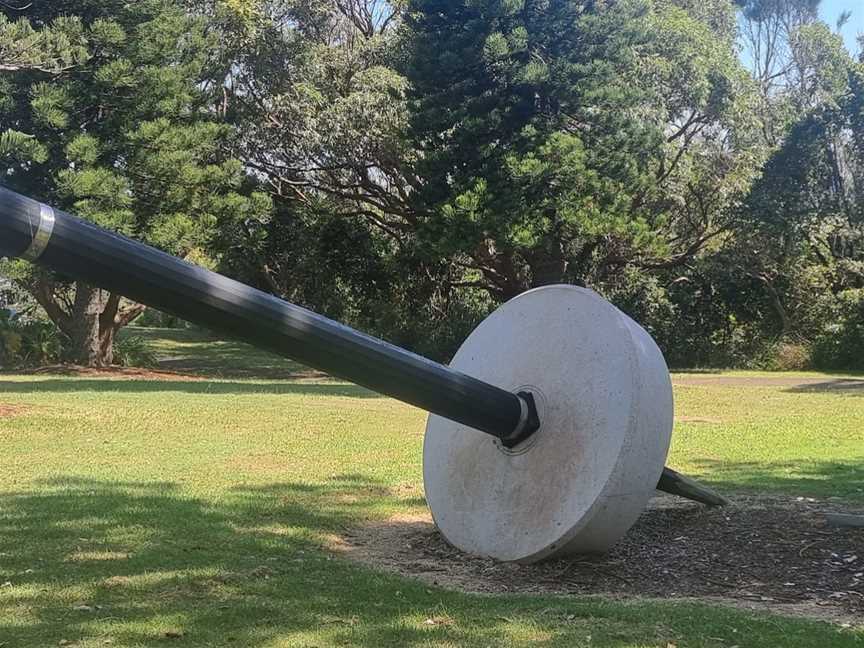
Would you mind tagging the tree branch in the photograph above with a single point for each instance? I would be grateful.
(43, 293)
(126, 316)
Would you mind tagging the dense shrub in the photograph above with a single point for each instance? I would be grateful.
(10, 344)
(786, 355)
(707, 315)
(42, 343)
(841, 344)
(134, 351)
(28, 342)
(644, 298)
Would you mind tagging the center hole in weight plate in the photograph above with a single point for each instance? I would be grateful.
(527, 444)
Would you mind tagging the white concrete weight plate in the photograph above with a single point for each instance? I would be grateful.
(605, 404)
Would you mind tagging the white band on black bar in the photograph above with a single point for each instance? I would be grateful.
(42, 235)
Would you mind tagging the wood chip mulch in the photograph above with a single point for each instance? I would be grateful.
(778, 553)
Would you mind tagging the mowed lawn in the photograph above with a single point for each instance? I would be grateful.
(201, 512)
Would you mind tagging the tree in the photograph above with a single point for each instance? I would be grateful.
(567, 140)
(806, 213)
(643, 146)
(768, 29)
(795, 58)
(130, 139)
(322, 114)
(52, 49)
(323, 111)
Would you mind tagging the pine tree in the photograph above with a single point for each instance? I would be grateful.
(52, 49)
(558, 138)
(530, 143)
(130, 140)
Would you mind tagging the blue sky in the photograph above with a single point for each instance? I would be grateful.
(832, 8)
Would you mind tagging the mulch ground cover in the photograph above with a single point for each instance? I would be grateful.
(778, 552)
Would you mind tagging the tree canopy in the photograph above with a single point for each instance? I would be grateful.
(405, 166)
(125, 134)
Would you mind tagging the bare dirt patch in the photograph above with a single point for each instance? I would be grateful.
(759, 553)
(127, 373)
(8, 411)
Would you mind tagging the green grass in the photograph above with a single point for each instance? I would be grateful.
(205, 509)
(772, 439)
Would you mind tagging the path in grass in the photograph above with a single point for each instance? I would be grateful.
(196, 513)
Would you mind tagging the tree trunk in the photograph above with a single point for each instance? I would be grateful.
(86, 334)
(548, 264)
(106, 346)
(776, 303)
(505, 275)
(90, 321)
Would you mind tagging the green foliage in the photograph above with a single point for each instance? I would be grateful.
(21, 147)
(51, 104)
(148, 156)
(822, 64)
(498, 99)
(129, 136)
(841, 344)
(805, 235)
(612, 156)
(566, 141)
(338, 267)
(53, 49)
(134, 351)
(59, 46)
(787, 356)
(41, 343)
(153, 318)
(322, 109)
(10, 341)
(27, 341)
(423, 161)
(644, 298)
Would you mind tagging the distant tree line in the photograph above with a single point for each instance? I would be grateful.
(406, 166)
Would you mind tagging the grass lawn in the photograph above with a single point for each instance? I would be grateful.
(198, 513)
(771, 439)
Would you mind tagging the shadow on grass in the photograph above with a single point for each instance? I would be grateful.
(147, 561)
(228, 368)
(62, 385)
(844, 479)
(199, 352)
(135, 563)
(837, 385)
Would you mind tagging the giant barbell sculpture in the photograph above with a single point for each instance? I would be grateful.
(547, 434)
